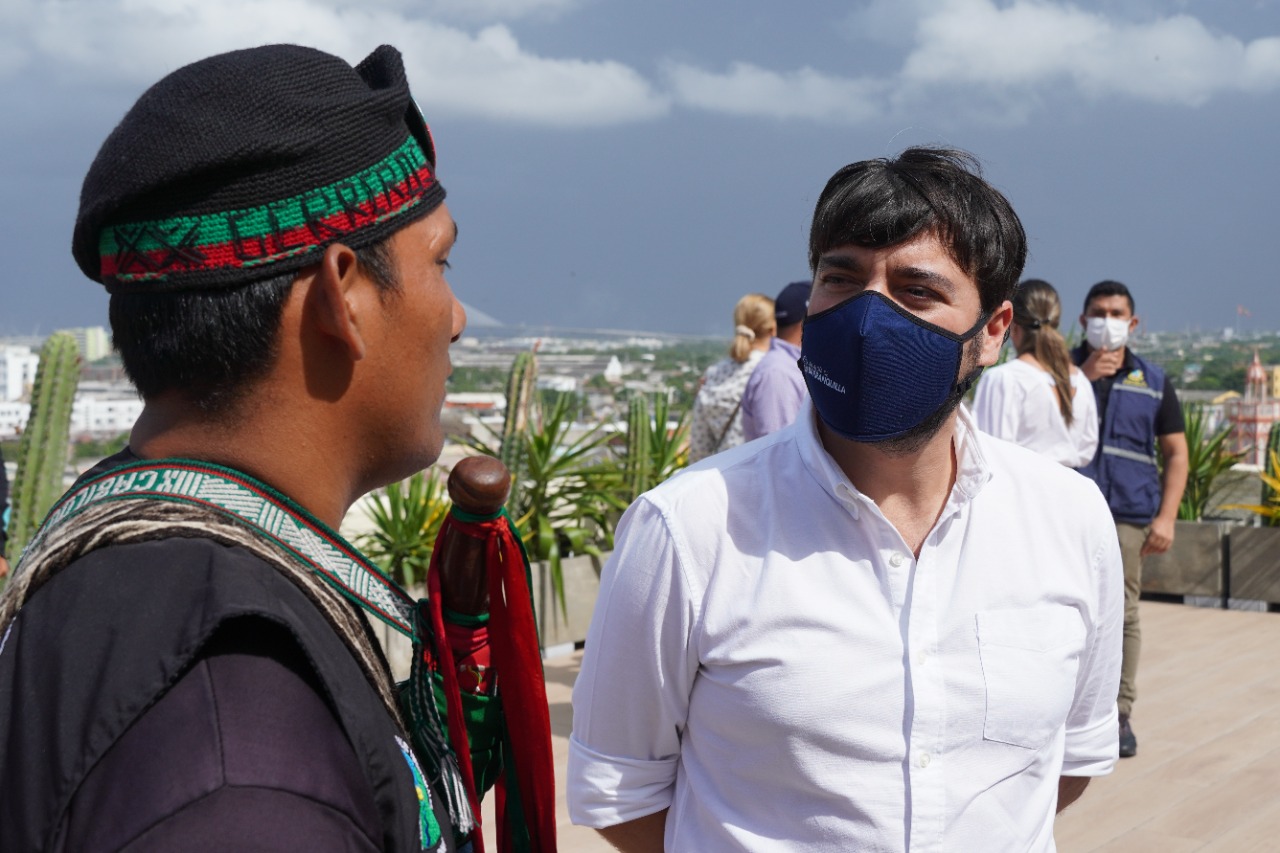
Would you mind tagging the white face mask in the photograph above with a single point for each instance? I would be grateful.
(1106, 332)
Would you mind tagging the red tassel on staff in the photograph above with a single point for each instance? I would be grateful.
(519, 665)
(513, 649)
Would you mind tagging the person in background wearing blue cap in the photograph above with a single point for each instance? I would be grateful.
(776, 387)
(877, 628)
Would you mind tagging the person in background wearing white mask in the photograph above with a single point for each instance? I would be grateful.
(1138, 411)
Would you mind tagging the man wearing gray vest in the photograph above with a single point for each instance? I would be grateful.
(1138, 412)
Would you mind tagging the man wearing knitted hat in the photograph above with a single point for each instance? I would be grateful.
(182, 666)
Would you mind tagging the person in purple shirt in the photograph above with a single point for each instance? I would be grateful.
(776, 388)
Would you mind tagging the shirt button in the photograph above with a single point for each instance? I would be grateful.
(924, 760)
(921, 657)
(895, 560)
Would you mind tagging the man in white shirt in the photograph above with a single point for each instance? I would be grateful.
(876, 629)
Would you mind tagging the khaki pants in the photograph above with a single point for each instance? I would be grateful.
(1131, 538)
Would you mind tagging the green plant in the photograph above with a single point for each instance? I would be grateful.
(1269, 509)
(1270, 493)
(636, 461)
(520, 399)
(652, 452)
(100, 448)
(406, 519)
(1208, 458)
(42, 451)
(565, 492)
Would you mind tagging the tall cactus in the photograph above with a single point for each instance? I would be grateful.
(638, 463)
(42, 451)
(520, 389)
(1269, 495)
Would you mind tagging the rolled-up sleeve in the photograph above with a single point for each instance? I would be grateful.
(631, 698)
(1092, 745)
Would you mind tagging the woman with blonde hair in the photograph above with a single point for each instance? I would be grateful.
(1040, 399)
(717, 410)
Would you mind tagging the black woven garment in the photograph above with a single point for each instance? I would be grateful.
(247, 164)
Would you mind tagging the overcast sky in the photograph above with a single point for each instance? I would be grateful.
(641, 165)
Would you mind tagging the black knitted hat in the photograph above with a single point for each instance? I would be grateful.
(246, 165)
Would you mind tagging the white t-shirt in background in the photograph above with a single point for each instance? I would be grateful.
(1016, 401)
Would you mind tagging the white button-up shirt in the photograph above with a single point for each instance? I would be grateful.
(770, 661)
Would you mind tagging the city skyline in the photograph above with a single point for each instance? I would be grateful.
(617, 165)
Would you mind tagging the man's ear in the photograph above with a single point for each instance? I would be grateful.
(338, 300)
(993, 333)
(1133, 322)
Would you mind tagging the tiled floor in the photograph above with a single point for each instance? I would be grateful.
(1207, 773)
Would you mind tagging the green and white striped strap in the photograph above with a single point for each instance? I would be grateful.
(262, 509)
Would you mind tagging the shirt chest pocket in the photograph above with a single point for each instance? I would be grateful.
(1030, 659)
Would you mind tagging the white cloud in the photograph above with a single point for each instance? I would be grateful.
(1031, 43)
(496, 10)
(491, 75)
(1001, 57)
(748, 90)
(486, 74)
(995, 60)
(472, 11)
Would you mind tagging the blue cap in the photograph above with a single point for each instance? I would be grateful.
(792, 303)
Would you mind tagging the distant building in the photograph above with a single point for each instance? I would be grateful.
(95, 414)
(613, 371)
(561, 384)
(92, 341)
(17, 372)
(478, 401)
(13, 417)
(1252, 415)
(104, 414)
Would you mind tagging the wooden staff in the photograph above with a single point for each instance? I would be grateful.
(478, 485)
(475, 575)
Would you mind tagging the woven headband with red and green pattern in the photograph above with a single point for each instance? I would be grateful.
(186, 246)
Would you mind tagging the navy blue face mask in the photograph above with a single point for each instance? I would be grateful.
(876, 371)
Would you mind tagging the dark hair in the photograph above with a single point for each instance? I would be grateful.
(882, 202)
(1038, 310)
(212, 345)
(1109, 288)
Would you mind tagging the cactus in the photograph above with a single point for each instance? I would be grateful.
(520, 388)
(638, 462)
(1269, 495)
(42, 451)
(652, 453)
